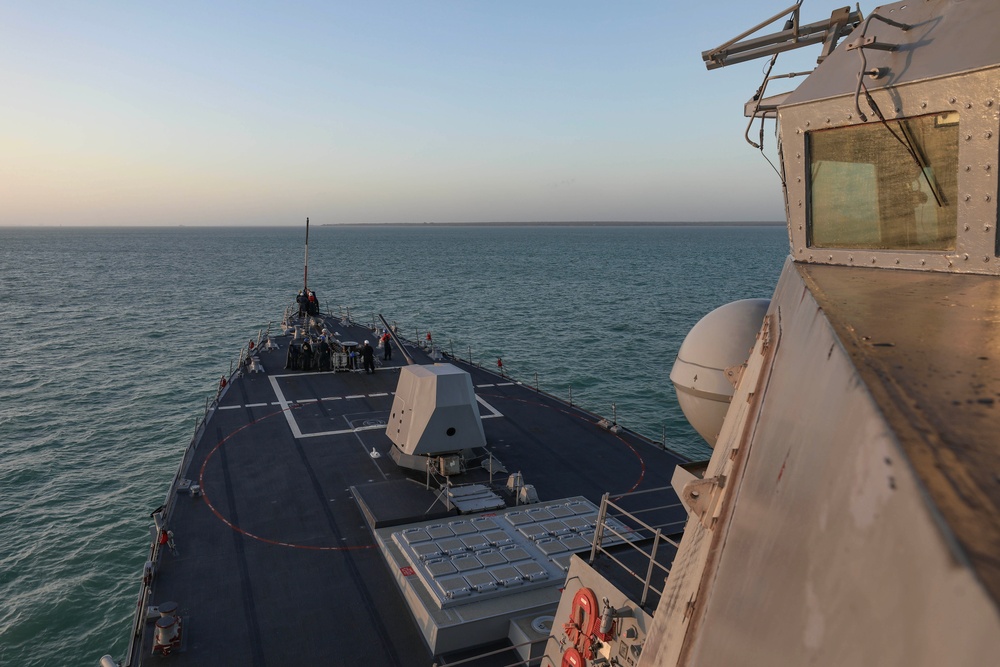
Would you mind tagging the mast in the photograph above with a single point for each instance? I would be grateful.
(305, 267)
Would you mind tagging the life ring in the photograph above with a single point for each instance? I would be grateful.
(572, 658)
(584, 621)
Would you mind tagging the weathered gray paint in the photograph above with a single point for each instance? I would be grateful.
(854, 509)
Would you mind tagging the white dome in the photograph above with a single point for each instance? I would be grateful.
(720, 340)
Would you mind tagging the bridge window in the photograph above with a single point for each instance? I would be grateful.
(890, 185)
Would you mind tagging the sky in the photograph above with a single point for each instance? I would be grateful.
(263, 113)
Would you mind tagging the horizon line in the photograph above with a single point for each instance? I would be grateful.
(539, 223)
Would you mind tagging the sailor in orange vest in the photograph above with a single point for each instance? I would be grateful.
(386, 346)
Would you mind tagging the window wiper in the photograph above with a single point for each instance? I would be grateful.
(860, 44)
(908, 144)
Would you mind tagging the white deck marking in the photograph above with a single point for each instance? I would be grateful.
(505, 384)
(481, 386)
(374, 395)
(493, 411)
(343, 431)
(256, 405)
(229, 407)
(297, 432)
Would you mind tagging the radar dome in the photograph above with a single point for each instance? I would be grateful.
(720, 340)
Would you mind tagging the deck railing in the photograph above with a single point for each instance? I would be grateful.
(608, 505)
(467, 356)
(635, 538)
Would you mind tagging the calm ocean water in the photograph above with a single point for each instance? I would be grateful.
(113, 339)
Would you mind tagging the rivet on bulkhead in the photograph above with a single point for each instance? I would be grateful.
(968, 137)
(800, 251)
(951, 100)
(965, 257)
(988, 198)
(968, 197)
(968, 105)
(968, 167)
(966, 227)
(923, 105)
(828, 120)
(989, 135)
(987, 227)
(986, 258)
(851, 258)
(989, 103)
(922, 262)
(830, 259)
(873, 260)
(897, 260)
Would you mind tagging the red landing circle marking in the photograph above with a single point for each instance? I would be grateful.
(220, 517)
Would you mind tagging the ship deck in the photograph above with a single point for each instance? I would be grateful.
(288, 553)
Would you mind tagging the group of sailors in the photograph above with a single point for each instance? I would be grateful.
(314, 354)
(308, 303)
(326, 353)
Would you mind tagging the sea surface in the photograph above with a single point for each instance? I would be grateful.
(112, 340)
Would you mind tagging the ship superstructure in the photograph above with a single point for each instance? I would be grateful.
(850, 513)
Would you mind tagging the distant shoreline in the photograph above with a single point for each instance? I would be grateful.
(413, 225)
(556, 224)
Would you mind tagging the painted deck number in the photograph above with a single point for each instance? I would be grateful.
(407, 571)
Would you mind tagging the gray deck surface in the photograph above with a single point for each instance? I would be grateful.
(276, 564)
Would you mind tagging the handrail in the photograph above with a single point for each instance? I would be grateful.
(657, 535)
(479, 656)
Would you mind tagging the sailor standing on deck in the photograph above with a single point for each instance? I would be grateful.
(302, 300)
(306, 356)
(292, 359)
(386, 346)
(324, 354)
(368, 354)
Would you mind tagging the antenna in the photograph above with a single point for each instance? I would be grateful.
(305, 268)
(793, 36)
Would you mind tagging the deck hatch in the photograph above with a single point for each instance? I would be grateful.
(470, 559)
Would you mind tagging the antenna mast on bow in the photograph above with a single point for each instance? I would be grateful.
(305, 268)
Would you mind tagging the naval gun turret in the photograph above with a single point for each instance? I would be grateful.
(434, 423)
